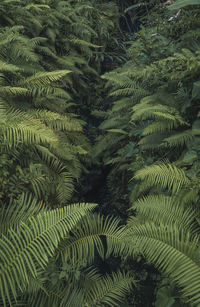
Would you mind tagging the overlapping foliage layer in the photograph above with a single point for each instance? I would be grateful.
(50, 57)
(52, 96)
(151, 143)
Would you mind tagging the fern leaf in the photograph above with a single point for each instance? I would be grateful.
(57, 121)
(166, 175)
(166, 210)
(160, 127)
(45, 78)
(174, 252)
(110, 289)
(64, 188)
(87, 237)
(180, 139)
(31, 245)
(23, 128)
(15, 213)
(8, 67)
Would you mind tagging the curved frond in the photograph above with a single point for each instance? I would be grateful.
(21, 127)
(166, 175)
(15, 213)
(87, 237)
(174, 252)
(44, 78)
(56, 121)
(180, 139)
(147, 110)
(166, 210)
(29, 247)
(110, 289)
(160, 126)
(65, 187)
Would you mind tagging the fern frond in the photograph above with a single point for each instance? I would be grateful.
(180, 139)
(166, 210)
(87, 237)
(15, 213)
(117, 78)
(14, 91)
(113, 122)
(44, 78)
(21, 127)
(166, 175)
(48, 92)
(65, 187)
(5, 67)
(152, 141)
(123, 92)
(160, 126)
(174, 252)
(38, 180)
(3, 111)
(145, 110)
(110, 289)
(72, 298)
(31, 245)
(57, 121)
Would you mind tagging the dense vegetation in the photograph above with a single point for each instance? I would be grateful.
(99, 103)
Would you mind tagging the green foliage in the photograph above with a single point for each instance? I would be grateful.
(173, 251)
(167, 210)
(117, 285)
(165, 175)
(183, 3)
(148, 141)
(35, 242)
(151, 142)
(47, 68)
(22, 251)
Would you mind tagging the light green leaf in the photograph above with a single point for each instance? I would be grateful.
(183, 3)
(117, 131)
